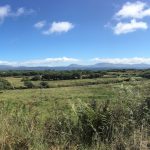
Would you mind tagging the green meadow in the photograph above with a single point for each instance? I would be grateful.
(100, 113)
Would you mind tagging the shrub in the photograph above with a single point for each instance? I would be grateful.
(36, 78)
(28, 84)
(44, 84)
(4, 84)
(142, 113)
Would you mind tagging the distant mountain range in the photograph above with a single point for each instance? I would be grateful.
(99, 66)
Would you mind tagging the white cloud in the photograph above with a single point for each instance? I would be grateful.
(59, 27)
(130, 17)
(6, 11)
(42, 62)
(123, 28)
(49, 61)
(22, 11)
(7, 63)
(135, 10)
(40, 24)
(135, 60)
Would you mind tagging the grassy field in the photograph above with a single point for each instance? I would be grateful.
(66, 116)
(17, 82)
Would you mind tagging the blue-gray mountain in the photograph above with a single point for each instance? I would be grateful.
(99, 66)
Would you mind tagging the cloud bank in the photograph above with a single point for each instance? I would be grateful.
(130, 61)
(41, 62)
(63, 61)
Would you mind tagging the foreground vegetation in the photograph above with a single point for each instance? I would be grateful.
(104, 113)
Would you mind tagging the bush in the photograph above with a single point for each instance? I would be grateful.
(36, 78)
(4, 84)
(28, 84)
(44, 84)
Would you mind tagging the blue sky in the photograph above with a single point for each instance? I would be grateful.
(62, 32)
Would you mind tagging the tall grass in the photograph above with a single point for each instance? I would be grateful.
(117, 124)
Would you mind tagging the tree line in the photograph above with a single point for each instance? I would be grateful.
(54, 75)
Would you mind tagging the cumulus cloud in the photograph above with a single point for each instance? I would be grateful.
(6, 11)
(41, 62)
(135, 60)
(59, 27)
(136, 10)
(40, 24)
(130, 18)
(123, 28)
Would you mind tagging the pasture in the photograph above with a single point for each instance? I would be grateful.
(101, 113)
